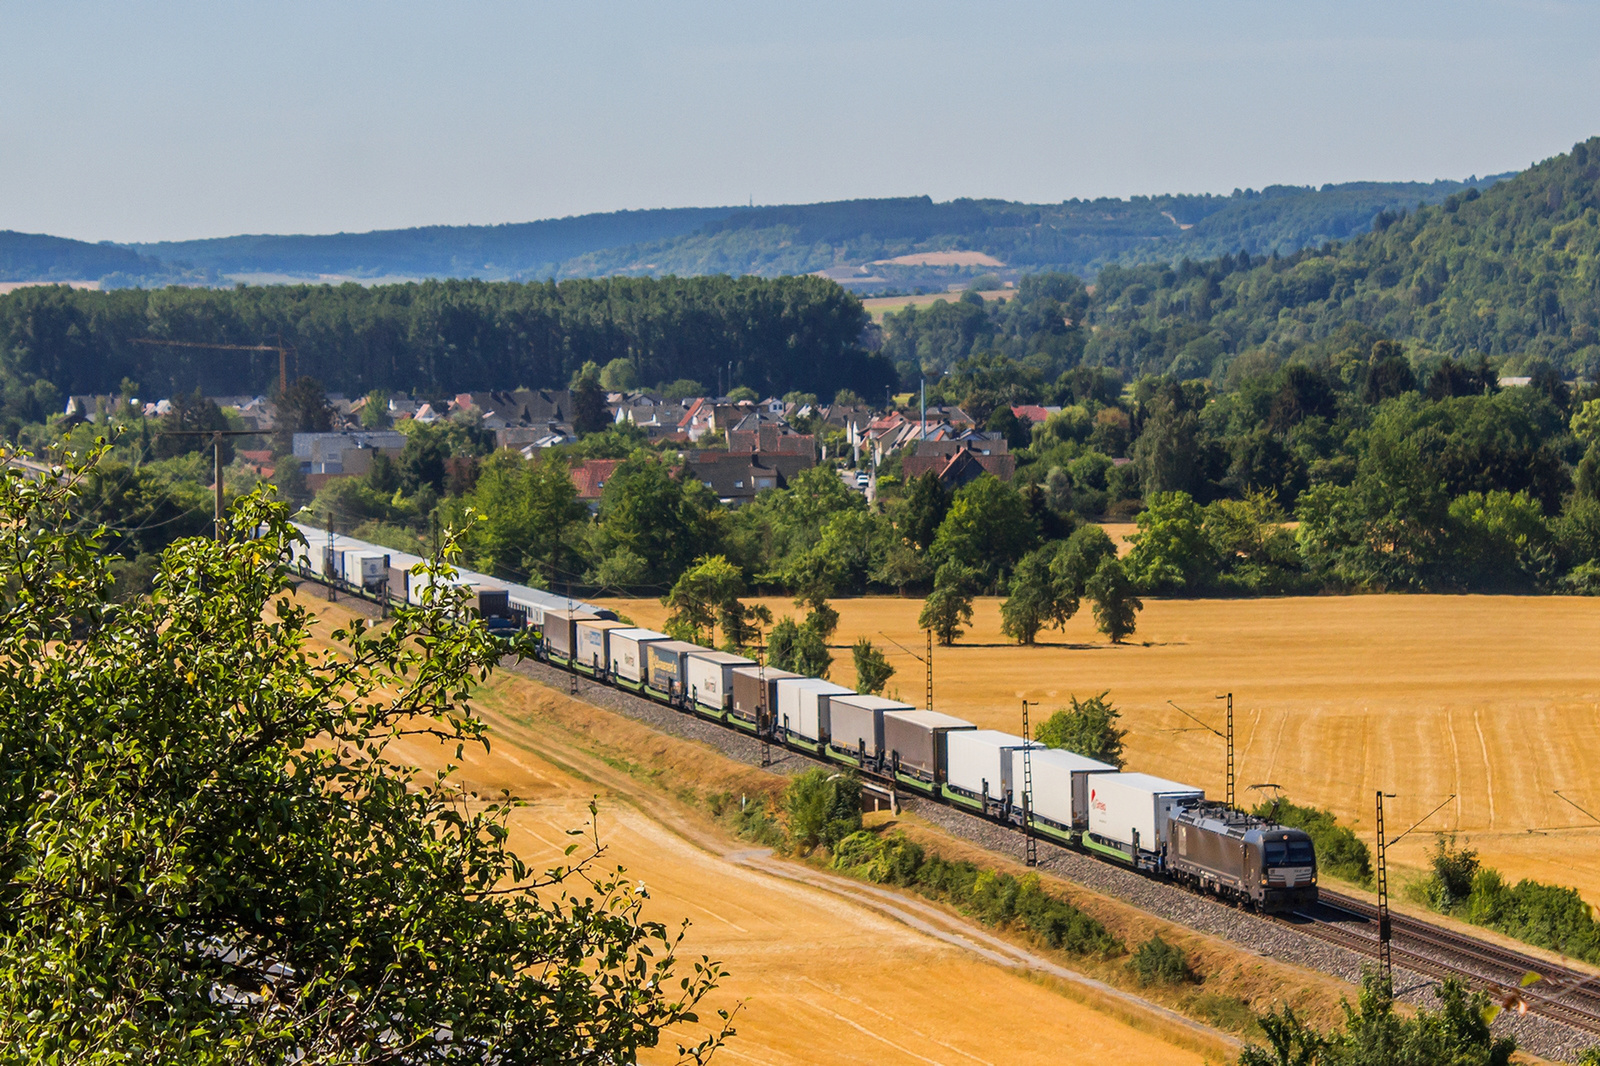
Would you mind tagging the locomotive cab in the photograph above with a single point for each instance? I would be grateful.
(1285, 868)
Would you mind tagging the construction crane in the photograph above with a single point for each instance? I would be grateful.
(282, 349)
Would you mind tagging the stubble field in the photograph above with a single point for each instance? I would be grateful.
(1493, 699)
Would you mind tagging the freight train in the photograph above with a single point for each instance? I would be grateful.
(1160, 827)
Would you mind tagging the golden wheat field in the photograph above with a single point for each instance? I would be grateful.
(1495, 699)
(815, 978)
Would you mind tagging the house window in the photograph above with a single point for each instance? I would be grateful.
(738, 484)
(763, 483)
(707, 484)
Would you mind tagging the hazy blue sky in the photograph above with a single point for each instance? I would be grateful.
(146, 121)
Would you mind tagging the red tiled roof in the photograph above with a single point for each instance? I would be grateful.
(591, 475)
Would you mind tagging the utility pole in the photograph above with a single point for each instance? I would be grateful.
(924, 390)
(1030, 843)
(1385, 960)
(216, 472)
(327, 564)
(216, 436)
(929, 661)
(763, 727)
(1229, 698)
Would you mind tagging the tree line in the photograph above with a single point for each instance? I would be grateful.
(440, 337)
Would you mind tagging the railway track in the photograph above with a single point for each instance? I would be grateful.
(1562, 995)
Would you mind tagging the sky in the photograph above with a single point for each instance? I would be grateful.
(141, 122)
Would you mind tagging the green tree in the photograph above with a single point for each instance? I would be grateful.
(707, 594)
(873, 670)
(375, 412)
(948, 607)
(1170, 552)
(619, 375)
(1116, 607)
(1035, 600)
(656, 517)
(589, 413)
(1089, 729)
(529, 518)
(988, 529)
(211, 850)
(822, 808)
(799, 648)
(303, 409)
(919, 517)
(184, 427)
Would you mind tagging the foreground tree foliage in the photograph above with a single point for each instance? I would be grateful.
(209, 852)
(1455, 1032)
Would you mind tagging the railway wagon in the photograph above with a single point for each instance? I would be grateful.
(915, 742)
(1131, 816)
(977, 770)
(710, 679)
(560, 630)
(366, 570)
(592, 648)
(755, 691)
(628, 665)
(855, 727)
(666, 669)
(1238, 856)
(803, 709)
(1059, 805)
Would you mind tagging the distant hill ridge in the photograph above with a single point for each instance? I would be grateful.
(848, 239)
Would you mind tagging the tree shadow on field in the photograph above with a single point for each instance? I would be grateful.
(1070, 645)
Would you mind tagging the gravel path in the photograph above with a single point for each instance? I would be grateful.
(1271, 939)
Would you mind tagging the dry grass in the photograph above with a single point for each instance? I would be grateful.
(1495, 699)
(960, 259)
(878, 306)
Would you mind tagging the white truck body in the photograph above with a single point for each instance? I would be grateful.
(856, 720)
(803, 705)
(710, 677)
(975, 758)
(1060, 784)
(627, 651)
(1137, 808)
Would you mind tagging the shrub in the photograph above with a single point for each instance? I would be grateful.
(1089, 729)
(1159, 963)
(822, 808)
(995, 898)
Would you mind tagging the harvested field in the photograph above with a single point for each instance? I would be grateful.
(943, 259)
(1494, 698)
(822, 976)
(877, 306)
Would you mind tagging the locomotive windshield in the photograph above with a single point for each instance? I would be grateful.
(1288, 853)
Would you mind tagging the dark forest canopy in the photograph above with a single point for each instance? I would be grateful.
(780, 335)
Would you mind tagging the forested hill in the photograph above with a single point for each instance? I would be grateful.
(1512, 273)
(849, 239)
(525, 250)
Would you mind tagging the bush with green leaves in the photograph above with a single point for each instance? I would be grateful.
(821, 808)
(211, 850)
(1089, 728)
(1156, 962)
(1456, 1031)
(995, 898)
(873, 670)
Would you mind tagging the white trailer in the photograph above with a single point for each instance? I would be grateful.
(628, 652)
(1135, 811)
(978, 763)
(592, 648)
(855, 722)
(370, 570)
(803, 705)
(710, 677)
(1060, 784)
